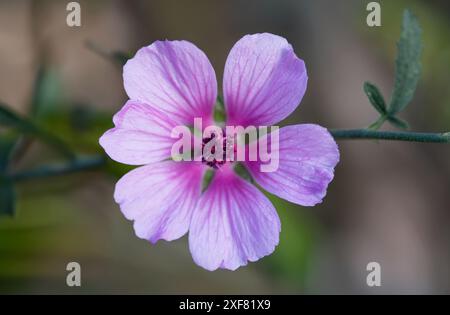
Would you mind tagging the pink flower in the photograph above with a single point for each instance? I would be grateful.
(170, 83)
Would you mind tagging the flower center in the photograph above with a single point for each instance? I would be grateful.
(214, 151)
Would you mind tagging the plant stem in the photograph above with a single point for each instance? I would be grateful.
(352, 134)
(79, 164)
(97, 161)
(24, 125)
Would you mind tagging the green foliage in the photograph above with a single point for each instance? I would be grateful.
(397, 122)
(220, 115)
(207, 179)
(47, 94)
(23, 125)
(293, 257)
(48, 230)
(10, 119)
(240, 170)
(375, 97)
(408, 66)
(7, 143)
(79, 126)
(407, 75)
(7, 197)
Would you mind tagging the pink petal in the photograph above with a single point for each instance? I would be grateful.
(141, 135)
(160, 198)
(232, 224)
(307, 157)
(264, 81)
(175, 77)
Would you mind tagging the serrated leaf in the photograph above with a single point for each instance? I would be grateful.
(7, 197)
(375, 97)
(397, 122)
(408, 66)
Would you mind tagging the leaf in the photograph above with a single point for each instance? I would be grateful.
(375, 97)
(10, 119)
(220, 115)
(408, 66)
(241, 171)
(377, 124)
(397, 122)
(46, 93)
(7, 197)
(7, 145)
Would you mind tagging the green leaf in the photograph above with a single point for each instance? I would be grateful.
(46, 93)
(207, 179)
(375, 97)
(7, 197)
(243, 172)
(220, 115)
(10, 119)
(397, 122)
(377, 124)
(408, 66)
(7, 145)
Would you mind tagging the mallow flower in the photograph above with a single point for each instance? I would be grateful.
(169, 83)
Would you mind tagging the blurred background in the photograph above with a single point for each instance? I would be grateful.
(389, 202)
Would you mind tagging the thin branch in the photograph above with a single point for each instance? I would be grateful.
(79, 164)
(353, 134)
(97, 161)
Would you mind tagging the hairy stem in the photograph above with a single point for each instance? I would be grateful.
(97, 161)
(353, 134)
(76, 165)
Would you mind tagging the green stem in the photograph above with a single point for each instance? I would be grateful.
(79, 164)
(8, 118)
(391, 135)
(55, 142)
(97, 161)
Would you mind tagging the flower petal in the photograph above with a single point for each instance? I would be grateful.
(232, 224)
(307, 157)
(142, 135)
(160, 198)
(174, 76)
(264, 81)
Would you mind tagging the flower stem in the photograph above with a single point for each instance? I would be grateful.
(78, 164)
(352, 134)
(97, 161)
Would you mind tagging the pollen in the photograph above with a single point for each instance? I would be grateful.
(216, 150)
